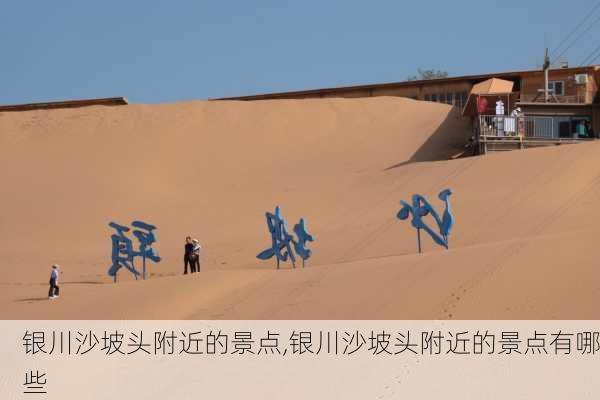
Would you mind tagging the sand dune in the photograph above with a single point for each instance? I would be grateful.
(523, 246)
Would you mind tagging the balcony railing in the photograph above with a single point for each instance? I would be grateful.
(539, 98)
(500, 126)
(531, 127)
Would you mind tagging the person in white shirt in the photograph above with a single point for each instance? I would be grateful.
(196, 256)
(54, 289)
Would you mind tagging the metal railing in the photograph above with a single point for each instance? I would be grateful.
(540, 127)
(528, 126)
(499, 126)
(537, 98)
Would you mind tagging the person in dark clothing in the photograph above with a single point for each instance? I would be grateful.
(188, 256)
(54, 289)
(590, 130)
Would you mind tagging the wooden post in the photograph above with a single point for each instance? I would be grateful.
(419, 239)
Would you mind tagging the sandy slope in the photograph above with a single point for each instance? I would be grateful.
(524, 245)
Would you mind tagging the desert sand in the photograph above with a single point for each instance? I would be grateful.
(524, 245)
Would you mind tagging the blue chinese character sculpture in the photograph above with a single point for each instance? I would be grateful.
(122, 251)
(146, 237)
(303, 237)
(281, 240)
(420, 208)
(123, 254)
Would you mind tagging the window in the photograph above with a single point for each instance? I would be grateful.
(434, 97)
(557, 87)
(460, 99)
(443, 98)
(464, 96)
(427, 97)
(450, 98)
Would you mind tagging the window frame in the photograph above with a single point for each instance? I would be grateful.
(552, 86)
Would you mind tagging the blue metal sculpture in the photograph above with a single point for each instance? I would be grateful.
(146, 237)
(123, 254)
(303, 237)
(420, 208)
(122, 251)
(281, 240)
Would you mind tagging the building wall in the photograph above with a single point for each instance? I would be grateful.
(593, 85)
(441, 88)
(347, 94)
(554, 109)
(531, 83)
(410, 92)
(422, 91)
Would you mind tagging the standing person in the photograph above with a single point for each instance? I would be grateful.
(590, 130)
(196, 255)
(188, 256)
(54, 289)
(581, 130)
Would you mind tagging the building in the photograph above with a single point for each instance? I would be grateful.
(108, 101)
(561, 113)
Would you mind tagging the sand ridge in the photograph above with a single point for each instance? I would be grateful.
(523, 245)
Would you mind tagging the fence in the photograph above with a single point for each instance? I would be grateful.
(529, 127)
(499, 126)
(535, 98)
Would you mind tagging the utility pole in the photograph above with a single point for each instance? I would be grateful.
(546, 69)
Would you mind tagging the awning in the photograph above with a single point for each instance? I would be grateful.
(492, 89)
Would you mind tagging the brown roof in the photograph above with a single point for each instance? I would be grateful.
(108, 101)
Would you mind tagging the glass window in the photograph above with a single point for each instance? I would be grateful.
(434, 97)
(457, 100)
(557, 87)
(450, 98)
(427, 97)
(443, 98)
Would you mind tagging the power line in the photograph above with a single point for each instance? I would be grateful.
(589, 14)
(577, 38)
(594, 60)
(591, 56)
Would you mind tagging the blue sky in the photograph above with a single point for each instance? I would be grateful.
(162, 51)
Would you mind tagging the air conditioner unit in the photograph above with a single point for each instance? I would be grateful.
(581, 79)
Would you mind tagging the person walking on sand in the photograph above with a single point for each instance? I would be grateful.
(188, 256)
(196, 256)
(54, 289)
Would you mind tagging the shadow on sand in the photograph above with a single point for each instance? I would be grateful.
(32, 299)
(448, 141)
